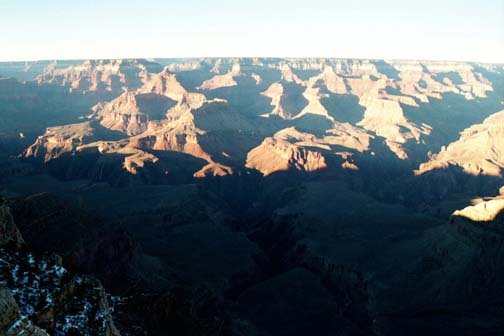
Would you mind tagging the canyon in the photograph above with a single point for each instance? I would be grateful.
(251, 196)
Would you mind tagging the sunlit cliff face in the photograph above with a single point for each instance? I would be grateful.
(483, 210)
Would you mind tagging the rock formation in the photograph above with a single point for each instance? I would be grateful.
(275, 92)
(220, 81)
(123, 114)
(275, 155)
(348, 136)
(483, 209)
(479, 150)
(178, 134)
(59, 140)
(313, 96)
(418, 79)
(166, 84)
(289, 76)
(157, 113)
(41, 296)
(386, 119)
(333, 81)
(11, 321)
(291, 149)
(100, 75)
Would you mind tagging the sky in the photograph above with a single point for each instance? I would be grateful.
(387, 29)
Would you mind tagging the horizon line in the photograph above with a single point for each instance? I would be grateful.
(250, 57)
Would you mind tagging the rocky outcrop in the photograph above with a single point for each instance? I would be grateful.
(39, 296)
(134, 158)
(123, 114)
(175, 132)
(220, 81)
(291, 149)
(100, 75)
(469, 83)
(425, 80)
(314, 95)
(479, 150)
(257, 78)
(59, 140)
(53, 300)
(386, 119)
(166, 84)
(12, 323)
(277, 154)
(486, 209)
(334, 82)
(289, 76)
(188, 65)
(178, 134)
(348, 136)
(275, 93)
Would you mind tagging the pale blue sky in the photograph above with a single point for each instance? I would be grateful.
(391, 29)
